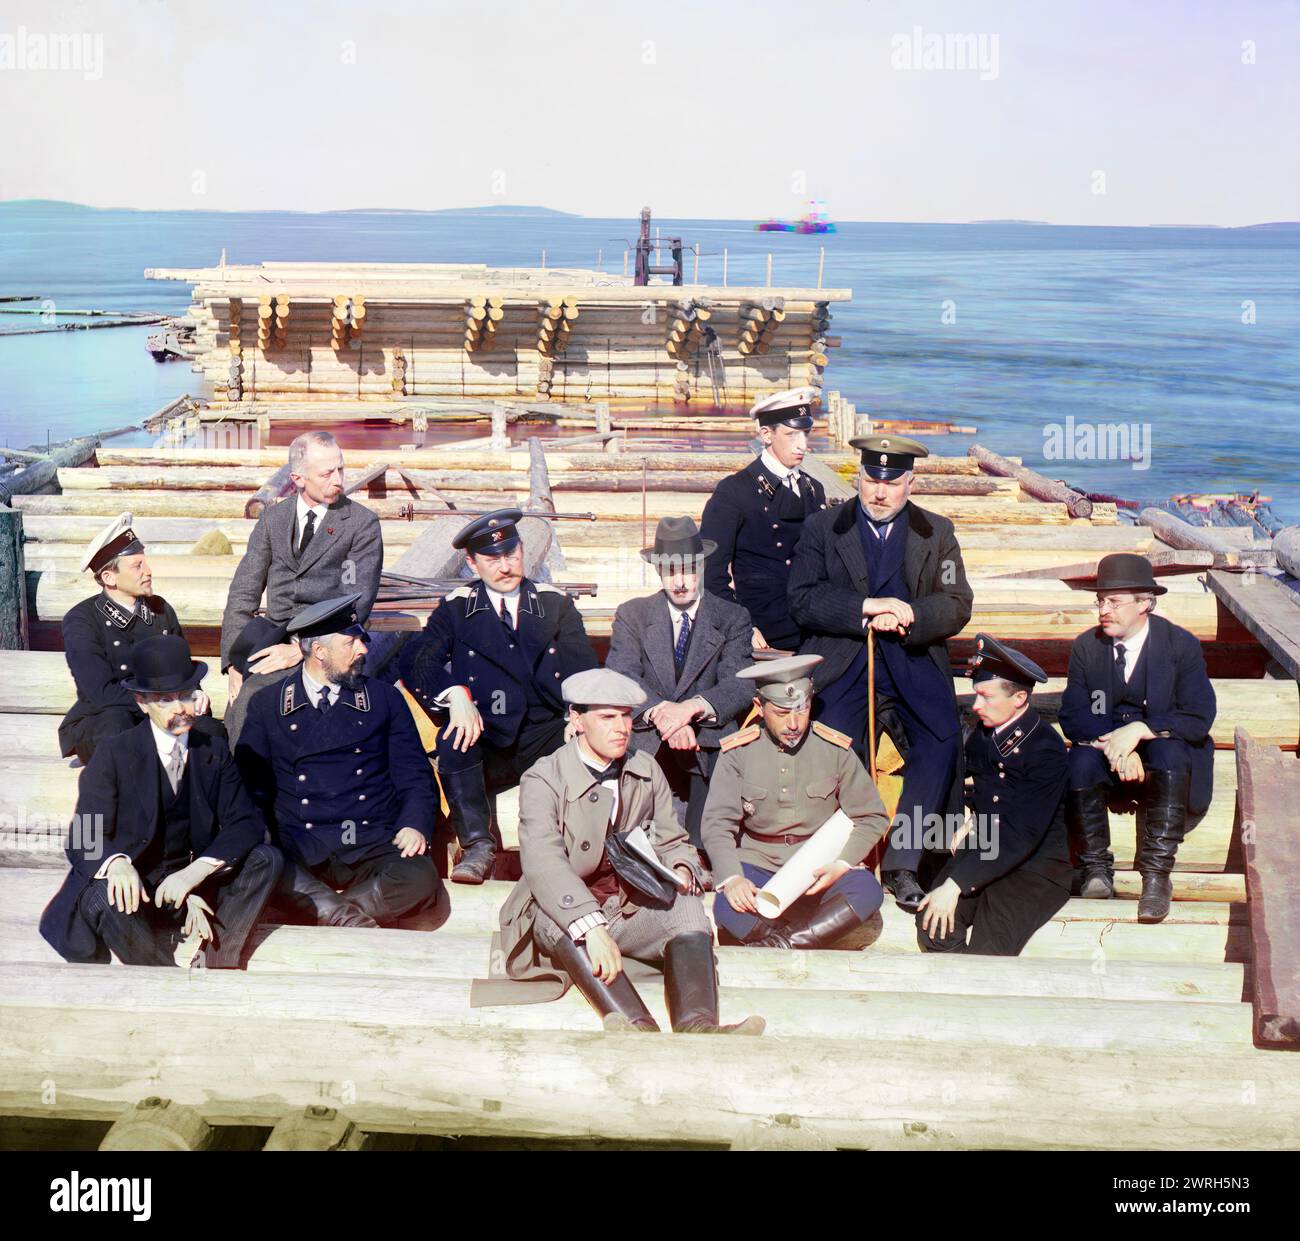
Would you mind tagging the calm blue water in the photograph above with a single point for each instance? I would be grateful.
(1141, 327)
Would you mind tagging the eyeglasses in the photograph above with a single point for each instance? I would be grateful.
(1115, 601)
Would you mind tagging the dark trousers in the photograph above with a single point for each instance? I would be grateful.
(858, 887)
(931, 761)
(1088, 766)
(1000, 918)
(503, 765)
(384, 886)
(687, 773)
(150, 935)
(82, 737)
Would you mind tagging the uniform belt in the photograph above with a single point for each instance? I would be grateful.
(784, 838)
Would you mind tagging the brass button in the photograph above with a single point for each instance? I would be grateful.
(302, 777)
(304, 801)
(358, 771)
(586, 844)
(361, 797)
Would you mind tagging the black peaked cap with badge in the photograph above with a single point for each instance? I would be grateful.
(327, 617)
(995, 659)
(493, 534)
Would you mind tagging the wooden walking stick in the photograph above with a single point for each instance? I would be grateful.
(871, 704)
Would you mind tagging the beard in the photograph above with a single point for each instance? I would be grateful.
(350, 678)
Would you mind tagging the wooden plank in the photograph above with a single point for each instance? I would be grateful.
(1182, 534)
(1163, 563)
(1269, 784)
(1267, 609)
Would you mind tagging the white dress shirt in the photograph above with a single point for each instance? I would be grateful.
(512, 603)
(789, 477)
(1132, 649)
(303, 509)
(315, 690)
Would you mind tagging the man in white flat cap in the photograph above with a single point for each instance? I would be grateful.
(757, 515)
(99, 634)
(586, 900)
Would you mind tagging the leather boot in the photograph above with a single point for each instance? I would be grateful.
(907, 889)
(308, 899)
(691, 988)
(1088, 822)
(824, 924)
(467, 798)
(619, 1007)
(1165, 799)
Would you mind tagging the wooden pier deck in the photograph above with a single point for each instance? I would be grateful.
(1104, 1033)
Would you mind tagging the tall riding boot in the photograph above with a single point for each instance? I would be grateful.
(825, 923)
(1165, 799)
(617, 1003)
(308, 899)
(1088, 822)
(691, 988)
(467, 798)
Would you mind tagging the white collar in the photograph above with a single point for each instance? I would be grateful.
(597, 765)
(675, 613)
(166, 743)
(304, 508)
(1133, 646)
(314, 689)
(511, 601)
(771, 463)
(1012, 720)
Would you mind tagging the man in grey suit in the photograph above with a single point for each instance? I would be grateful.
(317, 546)
(683, 647)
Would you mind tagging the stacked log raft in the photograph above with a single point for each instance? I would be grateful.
(294, 331)
(1104, 1033)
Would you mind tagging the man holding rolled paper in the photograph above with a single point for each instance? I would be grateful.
(791, 815)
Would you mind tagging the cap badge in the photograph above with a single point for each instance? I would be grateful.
(498, 535)
(883, 458)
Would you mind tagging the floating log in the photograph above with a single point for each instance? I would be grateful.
(1034, 484)
(44, 472)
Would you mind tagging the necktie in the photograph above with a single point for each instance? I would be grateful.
(1119, 660)
(610, 773)
(505, 616)
(307, 531)
(792, 481)
(324, 702)
(175, 767)
(683, 637)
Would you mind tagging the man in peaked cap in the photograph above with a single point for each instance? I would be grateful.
(487, 669)
(168, 856)
(573, 916)
(775, 784)
(757, 515)
(99, 634)
(683, 646)
(1010, 872)
(882, 565)
(333, 760)
(1138, 706)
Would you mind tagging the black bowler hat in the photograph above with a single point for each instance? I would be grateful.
(888, 457)
(1123, 571)
(327, 617)
(259, 633)
(677, 538)
(493, 534)
(163, 665)
(994, 659)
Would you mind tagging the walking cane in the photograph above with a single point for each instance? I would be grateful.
(871, 703)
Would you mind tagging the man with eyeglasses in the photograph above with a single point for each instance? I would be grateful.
(1138, 707)
(169, 864)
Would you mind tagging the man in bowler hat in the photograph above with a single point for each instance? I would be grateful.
(1138, 706)
(169, 864)
(683, 646)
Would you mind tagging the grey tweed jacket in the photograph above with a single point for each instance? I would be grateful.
(346, 554)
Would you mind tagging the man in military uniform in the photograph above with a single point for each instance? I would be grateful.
(487, 669)
(683, 647)
(334, 761)
(1010, 872)
(99, 635)
(756, 517)
(578, 910)
(882, 565)
(776, 783)
(169, 863)
(1139, 706)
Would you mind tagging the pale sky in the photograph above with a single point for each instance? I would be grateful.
(722, 109)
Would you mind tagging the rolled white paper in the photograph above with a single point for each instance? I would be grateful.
(796, 876)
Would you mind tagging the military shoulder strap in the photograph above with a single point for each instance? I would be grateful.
(842, 740)
(743, 737)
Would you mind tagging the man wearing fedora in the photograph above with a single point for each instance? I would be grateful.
(1008, 870)
(317, 545)
(99, 634)
(757, 515)
(333, 759)
(881, 566)
(588, 903)
(683, 647)
(487, 669)
(167, 853)
(1138, 706)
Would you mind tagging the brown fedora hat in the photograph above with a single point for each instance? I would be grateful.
(677, 537)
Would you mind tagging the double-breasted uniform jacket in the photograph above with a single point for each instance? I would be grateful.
(1180, 700)
(757, 523)
(465, 643)
(720, 644)
(1017, 788)
(765, 800)
(98, 635)
(830, 580)
(346, 554)
(121, 784)
(563, 820)
(340, 783)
